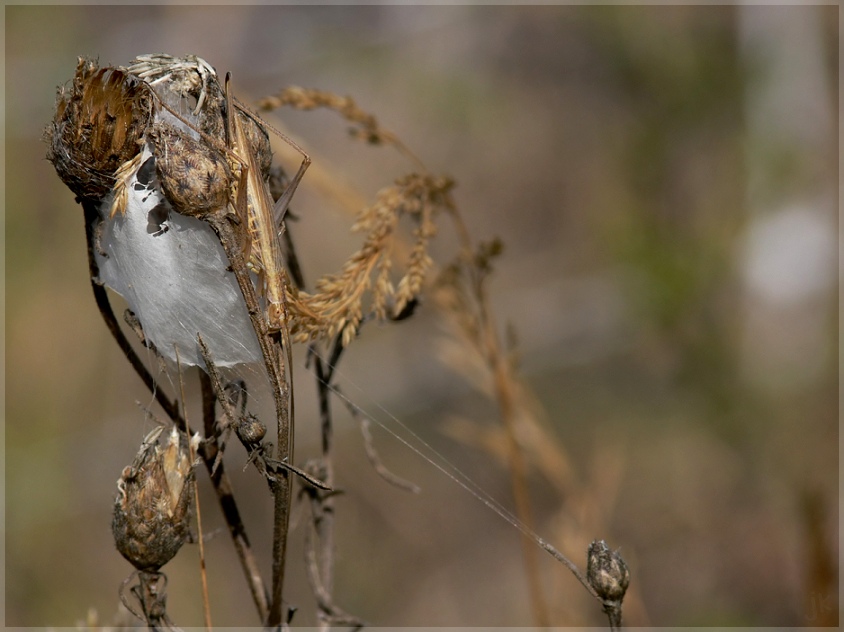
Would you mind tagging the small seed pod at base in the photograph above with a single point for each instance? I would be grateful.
(152, 512)
(97, 128)
(606, 572)
(195, 178)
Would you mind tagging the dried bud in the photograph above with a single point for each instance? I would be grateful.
(606, 571)
(97, 128)
(195, 178)
(152, 508)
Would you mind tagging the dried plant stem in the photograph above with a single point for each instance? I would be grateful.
(502, 382)
(207, 452)
(428, 194)
(468, 302)
(203, 574)
(319, 544)
(324, 513)
(365, 125)
(330, 615)
(480, 328)
(230, 512)
(424, 187)
(273, 354)
(152, 595)
(319, 547)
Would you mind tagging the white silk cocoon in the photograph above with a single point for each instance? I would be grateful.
(172, 271)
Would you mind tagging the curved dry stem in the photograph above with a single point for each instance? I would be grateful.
(365, 125)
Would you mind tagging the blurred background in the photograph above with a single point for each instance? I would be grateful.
(664, 180)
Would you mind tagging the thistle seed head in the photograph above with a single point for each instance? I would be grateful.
(152, 508)
(97, 127)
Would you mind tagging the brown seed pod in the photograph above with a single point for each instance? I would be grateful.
(195, 177)
(606, 572)
(97, 128)
(152, 509)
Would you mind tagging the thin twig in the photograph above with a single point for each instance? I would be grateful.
(203, 575)
(375, 460)
(502, 382)
(227, 503)
(329, 612)
(320, 565)
(271, 351)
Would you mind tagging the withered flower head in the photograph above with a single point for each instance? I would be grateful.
(103, 120)
(152, 508)
(190, 83)
(606, 572)
(97, 127)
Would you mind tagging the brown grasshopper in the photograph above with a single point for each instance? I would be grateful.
(263, 217)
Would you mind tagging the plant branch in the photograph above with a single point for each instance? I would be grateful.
(227, 503)
(490, 347)
(207, 451)
(226, 228)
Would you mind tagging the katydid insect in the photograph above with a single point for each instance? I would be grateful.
(263, 217)
(221, 162)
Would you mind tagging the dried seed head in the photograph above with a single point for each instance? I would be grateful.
(152, 508)
(195, 178)
(97, 128)
(606, 571)
(190, 83)
(181, 77)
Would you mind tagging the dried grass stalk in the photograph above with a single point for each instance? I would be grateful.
(337, 305)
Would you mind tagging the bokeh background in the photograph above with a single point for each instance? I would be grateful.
(665, 182)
